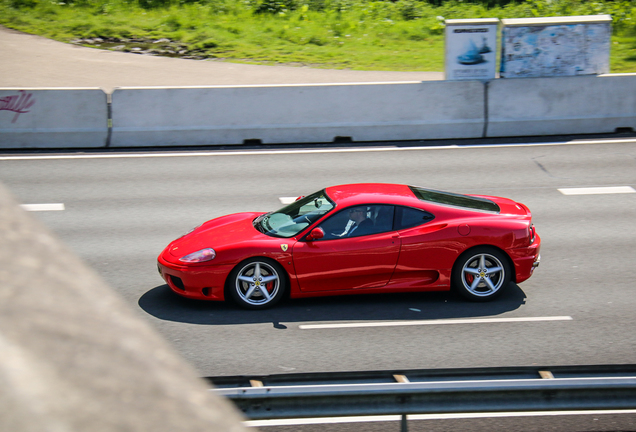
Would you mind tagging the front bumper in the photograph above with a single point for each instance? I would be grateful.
(202, 282)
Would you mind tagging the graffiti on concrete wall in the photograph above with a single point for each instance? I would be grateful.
(555, 50)
(18, 104)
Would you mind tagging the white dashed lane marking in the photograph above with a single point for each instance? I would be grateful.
(597, 190)
(43, 207)
(287, 200)
(432, 322)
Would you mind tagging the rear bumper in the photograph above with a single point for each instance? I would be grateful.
(526, 260)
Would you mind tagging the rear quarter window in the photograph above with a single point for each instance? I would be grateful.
(407, 217)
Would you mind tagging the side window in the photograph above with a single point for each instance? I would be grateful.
(409, 217)
(359, 221)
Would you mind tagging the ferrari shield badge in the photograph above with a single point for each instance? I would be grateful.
(284, 247)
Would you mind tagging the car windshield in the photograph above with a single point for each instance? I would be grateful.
(292, 219)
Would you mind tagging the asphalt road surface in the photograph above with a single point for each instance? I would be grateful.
(121, 209)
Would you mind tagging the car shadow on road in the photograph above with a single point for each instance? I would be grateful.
(163, 304)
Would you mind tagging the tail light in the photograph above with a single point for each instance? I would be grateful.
(532, 233)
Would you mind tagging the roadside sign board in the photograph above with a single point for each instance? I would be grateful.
(470, 49)
(555, 46)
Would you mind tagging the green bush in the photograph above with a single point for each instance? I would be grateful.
(19, 4)
(274, 6)
(409, 9)
(153, 4)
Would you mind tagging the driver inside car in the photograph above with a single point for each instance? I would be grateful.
(361, 223)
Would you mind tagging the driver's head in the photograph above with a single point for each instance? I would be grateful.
(358, 214)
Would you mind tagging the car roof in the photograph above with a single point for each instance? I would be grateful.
(372, 193)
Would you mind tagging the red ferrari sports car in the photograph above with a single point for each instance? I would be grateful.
(359, 238)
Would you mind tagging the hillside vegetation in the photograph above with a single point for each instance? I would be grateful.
(401, 35)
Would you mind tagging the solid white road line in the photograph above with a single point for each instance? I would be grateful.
(432, 322)
(302, 151)
(43, 207)
(391, 418)
(597, 190)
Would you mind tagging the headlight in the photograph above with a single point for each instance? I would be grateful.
(203, 255)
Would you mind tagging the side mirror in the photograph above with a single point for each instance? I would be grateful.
(315, 234)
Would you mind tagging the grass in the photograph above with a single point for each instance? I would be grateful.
(404, 35)
(623, 54)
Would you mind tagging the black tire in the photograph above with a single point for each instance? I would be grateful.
(257, 283)
(481, 274)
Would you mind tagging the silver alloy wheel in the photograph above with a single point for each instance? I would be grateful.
(257, 283)
(483, 275)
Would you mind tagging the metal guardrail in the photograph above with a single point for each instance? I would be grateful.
(431, 391)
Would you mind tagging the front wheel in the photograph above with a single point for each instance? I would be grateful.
(481, 274)
(257, 283)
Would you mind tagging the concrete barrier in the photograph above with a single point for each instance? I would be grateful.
(561, 105)
(53, 118)
(297, 113)
(191, 116)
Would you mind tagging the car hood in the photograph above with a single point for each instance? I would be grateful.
(218, 233)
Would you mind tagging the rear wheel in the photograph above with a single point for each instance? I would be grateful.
(481, 274)
(257, 283)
